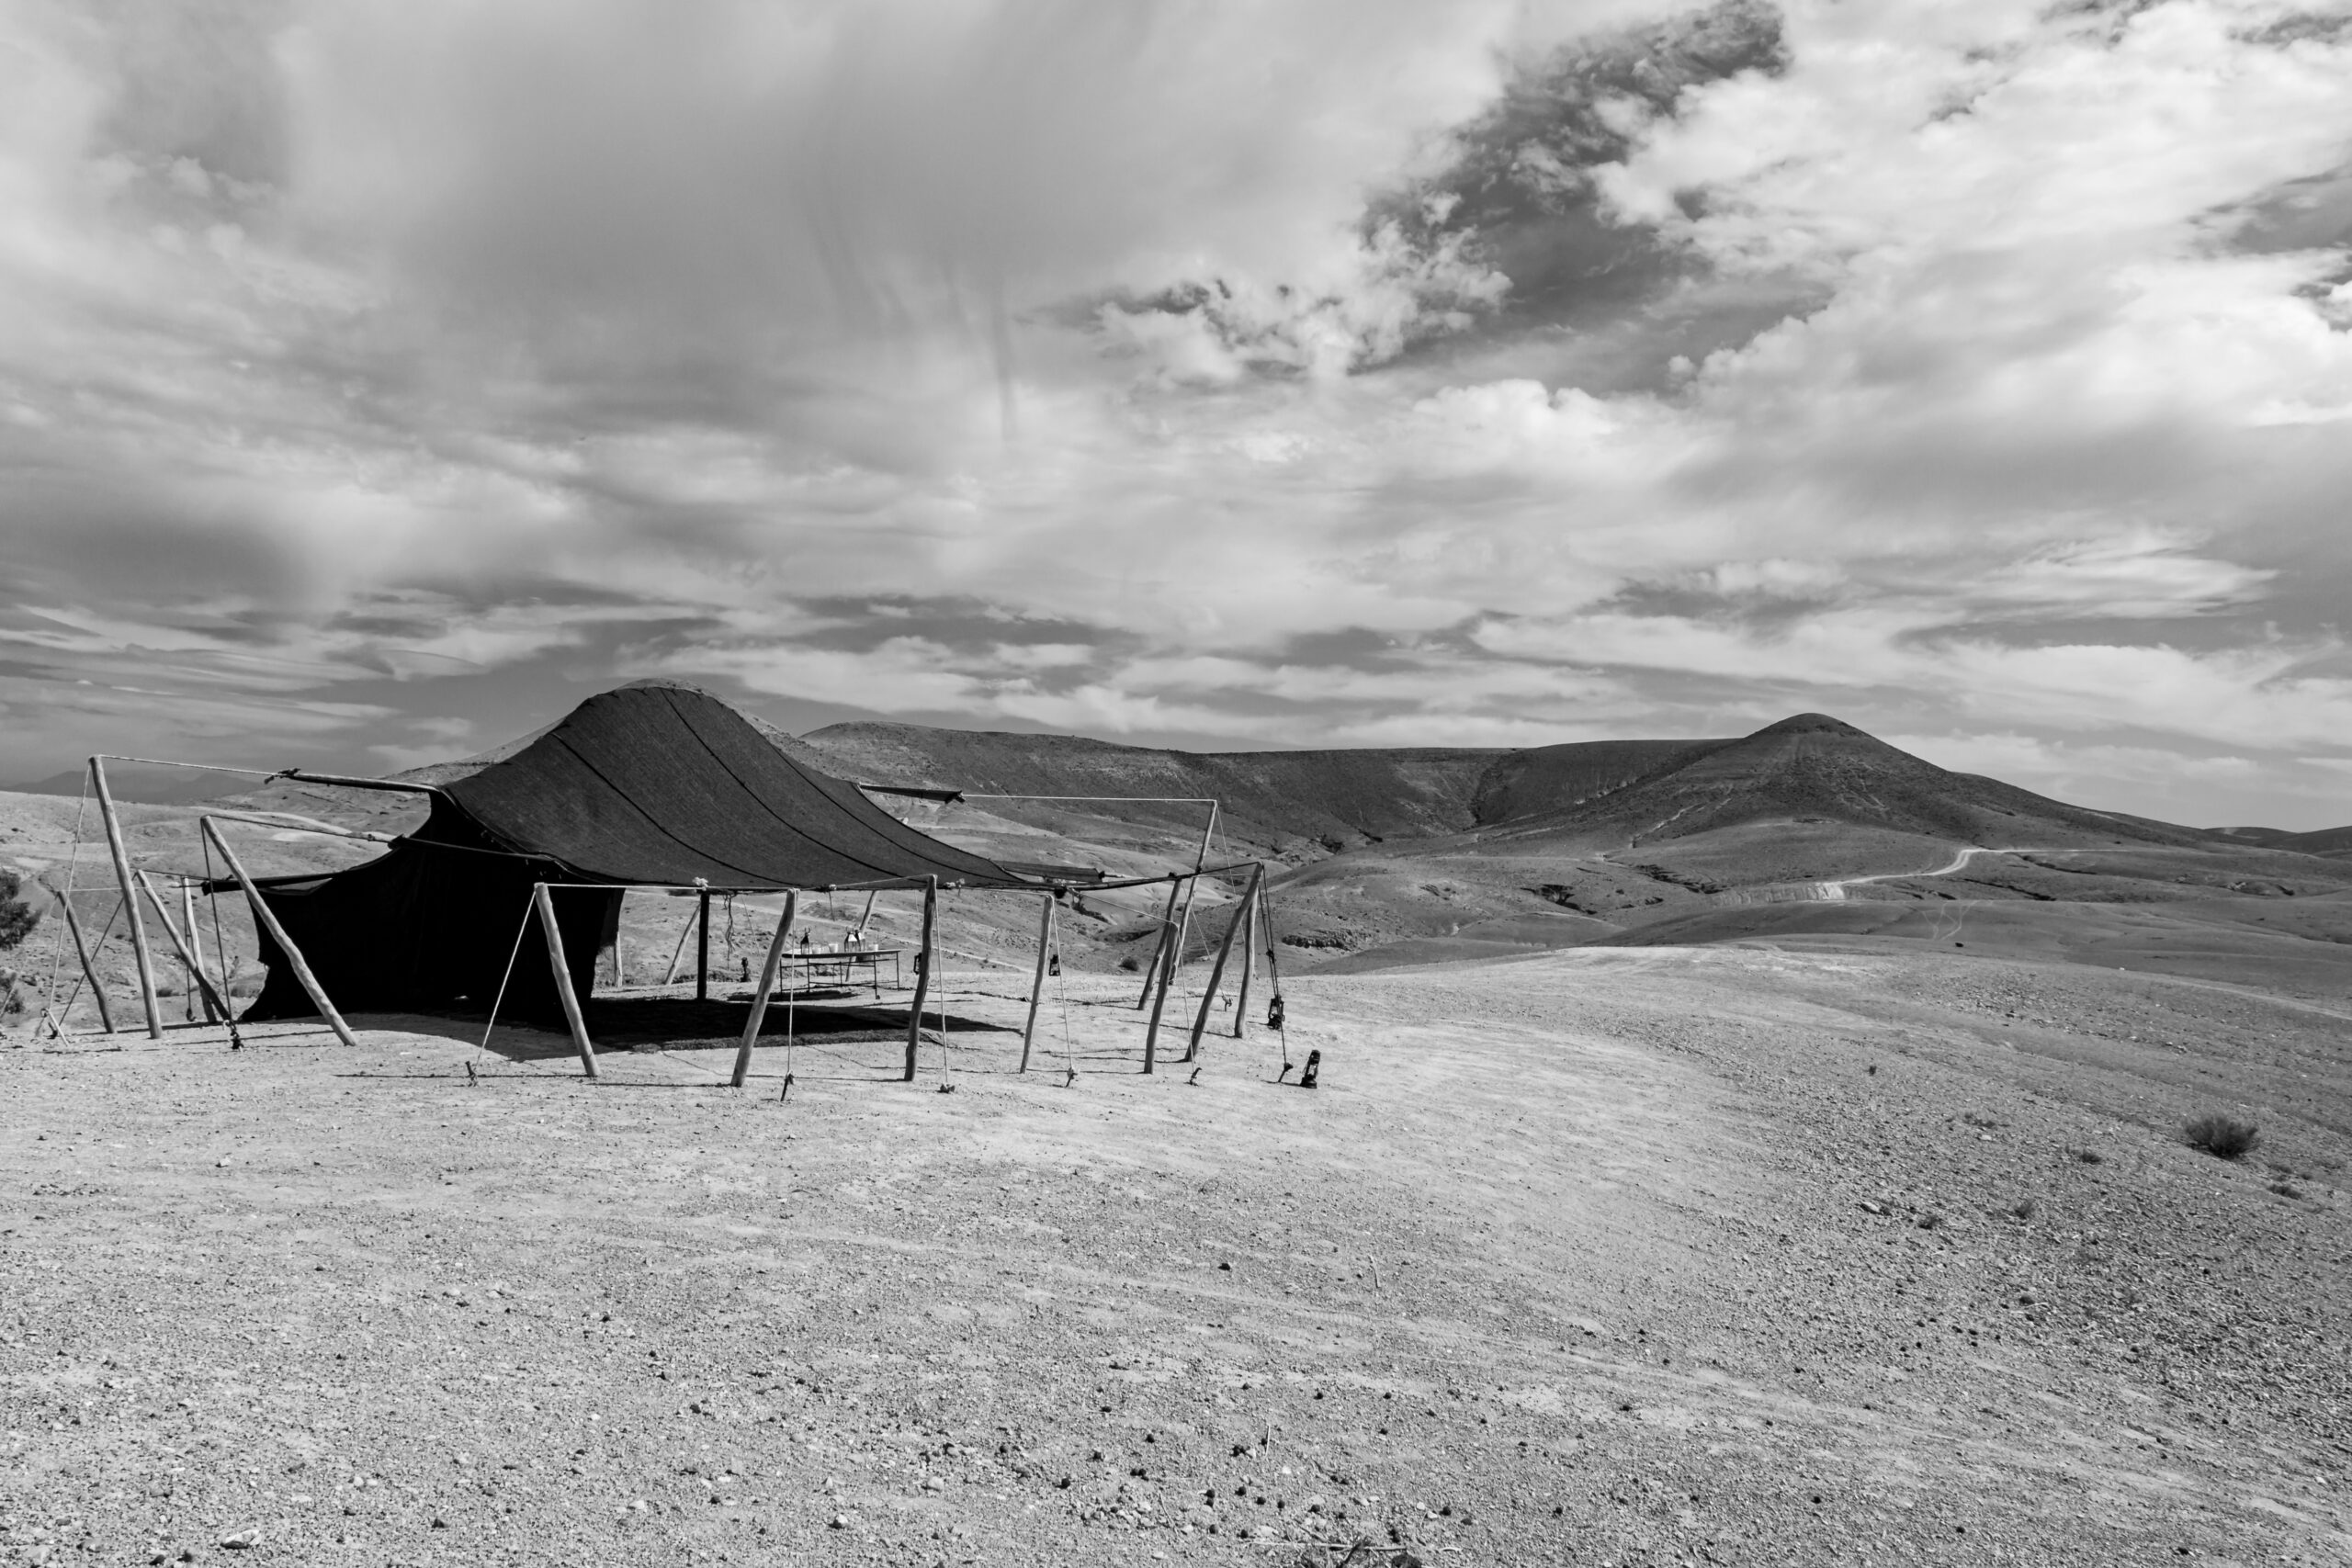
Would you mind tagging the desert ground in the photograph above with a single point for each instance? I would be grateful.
(1839, 1250)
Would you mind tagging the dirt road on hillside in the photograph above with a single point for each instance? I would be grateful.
(1835, 889)
(1656, 1256)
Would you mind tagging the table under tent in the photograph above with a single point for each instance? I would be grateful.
(509, 893)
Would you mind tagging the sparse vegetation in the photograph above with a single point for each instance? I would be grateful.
(2024, 1210)
(2087, 1156)
(2223, 1138)
(2286, 1189)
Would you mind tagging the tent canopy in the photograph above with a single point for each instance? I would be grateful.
(659, 786)
(667, 784)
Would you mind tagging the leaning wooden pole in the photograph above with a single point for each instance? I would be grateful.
(90, 970)
(1037, 984)
(130, 898)
(1167, 924)
(1248, 966)
(267, 919)
(1216, 971)
(1200, 859)
(196, 976)
(767, 989)
(922, 972)
(196, 943)
(1167, 977)
(569, 998)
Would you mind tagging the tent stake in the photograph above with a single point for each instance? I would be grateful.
(1217, 972)
(546, 902)
(1166, 977)
(89, 971)
(130, 899)
(1037, 986)
(196, 974)
(701, 948)
(922, 972)
(767, 989)
(266, 918)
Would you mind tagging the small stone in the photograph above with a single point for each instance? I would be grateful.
(841, 1522)
(240, 1541)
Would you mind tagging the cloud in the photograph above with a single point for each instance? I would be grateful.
(1296, 373)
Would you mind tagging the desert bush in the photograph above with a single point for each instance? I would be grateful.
(2023, 1210)
(2087, 1156)
(2223, 1138)
(16, 917)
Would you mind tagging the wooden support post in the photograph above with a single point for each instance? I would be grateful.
(869, 913)
(1248, 916)
(1167, 977)
(1200, 859)
(90, 970)
(196, 974)
(1151, 971)
(1037, 985)
(767, 989)
(701, 948)
(571, 999)
(922, 972)
(130, 898)
(196, 949)
(1217, 972)
(670, 975)
(268, 920)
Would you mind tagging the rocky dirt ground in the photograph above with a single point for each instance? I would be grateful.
(1667, 1255)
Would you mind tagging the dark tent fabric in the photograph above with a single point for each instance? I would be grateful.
(646, 784)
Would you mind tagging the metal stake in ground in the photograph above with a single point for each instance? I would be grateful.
(767, 989)
(130, 898)
(922, 972)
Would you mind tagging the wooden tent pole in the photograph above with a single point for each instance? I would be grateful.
(196, 974)
(130, 899)
(194, 938)
(1216, 971)
(90, 970)
(767, 989)
(923, 973)
(1200, 859)
(1248, 916)
(1151, 971)
(1166, 977)
(1037, 985)
(869, 912)
(544, 900)
(702, 949)
(670, 975)
(267, 919)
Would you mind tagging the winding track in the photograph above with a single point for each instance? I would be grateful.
(1834, 890)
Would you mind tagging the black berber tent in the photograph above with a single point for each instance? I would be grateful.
(650, 785)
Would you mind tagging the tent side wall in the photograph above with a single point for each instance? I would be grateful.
(425, 927)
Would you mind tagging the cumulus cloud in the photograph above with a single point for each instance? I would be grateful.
(1331, 372)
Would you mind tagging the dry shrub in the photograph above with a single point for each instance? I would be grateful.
(2223, 1138)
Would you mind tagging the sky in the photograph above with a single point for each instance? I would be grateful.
(378, 378)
